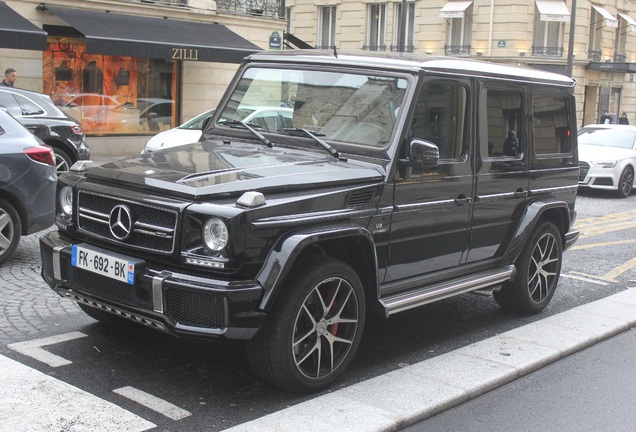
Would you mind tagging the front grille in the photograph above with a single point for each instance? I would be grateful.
(584, 167)
(199, 309)
(153, 227)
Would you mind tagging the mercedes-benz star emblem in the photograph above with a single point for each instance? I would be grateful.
(120, 222)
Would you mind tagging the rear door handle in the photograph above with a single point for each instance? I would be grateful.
(463, 199)
(520, 193)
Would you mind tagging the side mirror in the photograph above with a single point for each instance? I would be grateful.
(206, 122)
(422, 155)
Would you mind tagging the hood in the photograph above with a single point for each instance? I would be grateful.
(589, 152)
(217, 168)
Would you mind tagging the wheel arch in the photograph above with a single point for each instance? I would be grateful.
(61, 144)
(556, 212)
(17, 205)
(352, 244)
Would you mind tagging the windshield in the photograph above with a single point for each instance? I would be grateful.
(607, 137)
(343, 107)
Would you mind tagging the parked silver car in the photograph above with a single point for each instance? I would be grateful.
(27, 184)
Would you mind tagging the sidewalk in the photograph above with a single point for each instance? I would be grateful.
(414, 393)
(592, 390)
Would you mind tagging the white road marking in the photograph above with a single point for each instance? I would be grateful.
(32, 401)
(154, 403)
(33, 348)
(584, 279)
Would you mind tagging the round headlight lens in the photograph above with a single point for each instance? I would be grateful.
(66, 200)
(215, 234)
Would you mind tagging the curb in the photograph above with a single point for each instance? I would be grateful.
(406, 396)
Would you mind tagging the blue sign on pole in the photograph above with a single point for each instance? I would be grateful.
(274, 40)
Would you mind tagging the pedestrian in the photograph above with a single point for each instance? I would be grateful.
(606, 118)
(9, 78)
(623, 119)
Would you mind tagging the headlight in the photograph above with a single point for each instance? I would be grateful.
(215, 234)
(66, 201)
(604, 164)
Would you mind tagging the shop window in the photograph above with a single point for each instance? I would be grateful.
(110, 95)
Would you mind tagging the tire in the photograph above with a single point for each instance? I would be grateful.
(10, 230)
(104, 317)
(63, 161)
(538, 269)
(314, 329)
(625, 183)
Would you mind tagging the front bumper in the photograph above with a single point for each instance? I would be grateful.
(177, 303)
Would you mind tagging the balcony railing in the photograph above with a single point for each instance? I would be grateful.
(408, 48)
(595, 56)
(268, 8)
(457, 50)
(620, 57)
(162, 2)
(547, 51)
(374, 47)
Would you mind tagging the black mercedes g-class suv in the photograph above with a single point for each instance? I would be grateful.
(402, 180)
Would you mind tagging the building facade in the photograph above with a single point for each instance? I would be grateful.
(533, 33)
(127, 69)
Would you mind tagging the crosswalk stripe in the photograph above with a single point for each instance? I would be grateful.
(154, 403)
(33, 348)
(32, 401)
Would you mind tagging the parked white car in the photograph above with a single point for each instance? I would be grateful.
(267, 119)
(187, 133)
(607, 157)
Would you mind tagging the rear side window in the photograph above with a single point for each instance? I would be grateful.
(503, 123)
(8, 101)
(551, 126)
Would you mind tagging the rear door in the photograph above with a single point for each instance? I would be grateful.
(502, 173)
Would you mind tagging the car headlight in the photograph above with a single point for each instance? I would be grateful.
(604, 163)
(215, 234)
(66, 201)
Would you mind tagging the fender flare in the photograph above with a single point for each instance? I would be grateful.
(285, 253)
(529, 221)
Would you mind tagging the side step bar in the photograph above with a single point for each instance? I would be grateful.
(421, 296)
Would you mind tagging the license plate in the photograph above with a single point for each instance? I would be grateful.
(103, 264)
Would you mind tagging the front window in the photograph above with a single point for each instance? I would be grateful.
(376, 27)
(596, 25)
(625, 25)
(351, 108)
(459, 36)
(547, 38)
(110, 95)
(326, 27)
(408, 30)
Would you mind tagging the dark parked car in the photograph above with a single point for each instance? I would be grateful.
(27, 185)
(398, 181)
(39, 114)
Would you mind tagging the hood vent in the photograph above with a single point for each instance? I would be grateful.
(360, 198)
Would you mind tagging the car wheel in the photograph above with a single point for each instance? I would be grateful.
(625, 182)
(313, 331)
(538, 270)
(104, 317)
(10, 230)
(63, 161)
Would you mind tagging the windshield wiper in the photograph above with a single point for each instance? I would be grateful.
(250, 128)
(314, 136)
